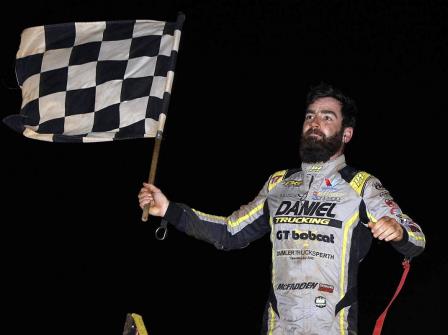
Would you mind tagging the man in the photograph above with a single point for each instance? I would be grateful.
(321, 219)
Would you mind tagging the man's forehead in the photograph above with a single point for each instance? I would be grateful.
(325, 104)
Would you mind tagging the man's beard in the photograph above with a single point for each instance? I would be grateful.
(314, 149)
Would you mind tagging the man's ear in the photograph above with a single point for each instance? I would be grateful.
(347, 135)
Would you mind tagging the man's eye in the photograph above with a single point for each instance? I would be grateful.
(327, 118)
(308, 117)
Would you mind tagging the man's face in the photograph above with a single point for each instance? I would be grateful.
(322, 134)
(323, 117)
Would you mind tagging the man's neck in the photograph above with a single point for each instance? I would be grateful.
(336, 155)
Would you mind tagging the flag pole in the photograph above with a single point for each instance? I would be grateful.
(153, 169)
(162, 118)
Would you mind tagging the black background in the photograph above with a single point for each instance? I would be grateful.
(76, 257)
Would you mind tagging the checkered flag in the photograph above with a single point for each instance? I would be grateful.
(95, 81)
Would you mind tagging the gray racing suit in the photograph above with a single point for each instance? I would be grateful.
(317, 218)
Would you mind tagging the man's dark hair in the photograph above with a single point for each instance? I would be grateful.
(348, 105)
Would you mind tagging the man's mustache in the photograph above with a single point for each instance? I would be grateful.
(314, 131)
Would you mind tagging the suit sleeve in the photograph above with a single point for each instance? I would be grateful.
(380, 203)
(236, 231)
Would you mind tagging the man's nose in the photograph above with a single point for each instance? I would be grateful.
(315, 123)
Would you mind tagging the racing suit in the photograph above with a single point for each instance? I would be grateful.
(317, 219)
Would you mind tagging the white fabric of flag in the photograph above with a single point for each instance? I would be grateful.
(95, 81)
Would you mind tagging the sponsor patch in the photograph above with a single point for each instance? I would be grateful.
(275, 179)
(326, 288)
(407, 222)
(327, 196)
(308, 220)
(292, 183)
(394, 209)
(308, 208)
(378, 186)
(320, 302)
(385, 195)
(303, 254)
(300, 235)
(357, 183)
(297, 286)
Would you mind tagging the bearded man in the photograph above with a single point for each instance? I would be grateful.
(321, 219)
